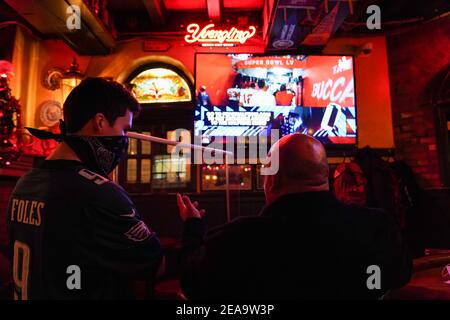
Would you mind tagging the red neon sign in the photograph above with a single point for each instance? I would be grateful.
(210, 35)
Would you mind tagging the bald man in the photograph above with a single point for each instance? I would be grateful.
(305, 244)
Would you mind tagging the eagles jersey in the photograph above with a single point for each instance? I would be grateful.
(76, 235)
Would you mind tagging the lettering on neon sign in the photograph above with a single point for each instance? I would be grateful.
(334, 91)
(210, 35)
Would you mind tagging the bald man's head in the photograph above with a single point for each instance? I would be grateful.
(303, 167)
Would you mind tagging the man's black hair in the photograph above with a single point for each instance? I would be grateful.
(261, 83)
(97, 95)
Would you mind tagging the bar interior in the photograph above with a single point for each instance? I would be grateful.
(219, 83)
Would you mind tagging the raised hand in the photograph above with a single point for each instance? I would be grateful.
(188, 209)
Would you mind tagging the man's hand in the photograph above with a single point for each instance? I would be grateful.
(188, 209)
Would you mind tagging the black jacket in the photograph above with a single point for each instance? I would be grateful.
(302, 246)
(62, 215)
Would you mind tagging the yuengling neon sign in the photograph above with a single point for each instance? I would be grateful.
(209, 35)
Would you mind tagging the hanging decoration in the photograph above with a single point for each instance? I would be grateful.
(10, 121)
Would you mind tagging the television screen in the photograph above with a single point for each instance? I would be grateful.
(252, 94)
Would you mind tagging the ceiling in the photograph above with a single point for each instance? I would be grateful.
(182, 5)
(141, 16)
(303, 20)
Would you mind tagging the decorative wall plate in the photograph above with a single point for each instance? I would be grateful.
(51, 112)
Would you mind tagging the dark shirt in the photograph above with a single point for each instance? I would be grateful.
(302, 246)
(61, 215)
(203, 99)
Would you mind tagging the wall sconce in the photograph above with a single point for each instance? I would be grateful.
(364, 50)
(56, 78)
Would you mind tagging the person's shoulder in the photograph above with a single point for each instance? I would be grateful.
(99, 187)
(48, 179)
(27, 176)
(369, 221)
(270, 96)
(239, 226)
(23, 183)
(363, 212)
(256, 94)
(74, 185)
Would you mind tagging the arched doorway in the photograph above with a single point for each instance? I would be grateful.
(441, 105)
(166, 95)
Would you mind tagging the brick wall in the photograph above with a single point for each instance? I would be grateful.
(415, 57)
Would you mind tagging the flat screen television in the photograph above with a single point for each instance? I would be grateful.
(252, 94)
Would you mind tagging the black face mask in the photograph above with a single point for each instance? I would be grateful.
(99, 153)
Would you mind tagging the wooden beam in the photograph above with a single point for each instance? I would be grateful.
(154, 10)
(50, 17)
(213, 10)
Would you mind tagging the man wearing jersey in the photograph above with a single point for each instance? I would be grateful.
(74, 233)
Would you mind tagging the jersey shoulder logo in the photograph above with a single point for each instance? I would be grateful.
(132, 214)
(92, 176)
(138, 232)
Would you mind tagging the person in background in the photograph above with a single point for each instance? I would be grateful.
(305, 244)
(246, 95)
(284, 97)
(262, 97)
(203, 97)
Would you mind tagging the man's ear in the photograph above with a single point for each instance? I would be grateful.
(100, 122)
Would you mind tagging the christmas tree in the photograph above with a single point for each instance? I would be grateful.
(10, 122)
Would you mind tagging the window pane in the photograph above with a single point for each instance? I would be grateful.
(131, 171)
(158, 166)
(157, 176)
(214, 177)
(168, 172)
(145, 171)
(146, 146)
(160, 85)
(132, 147)
(165, 165)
